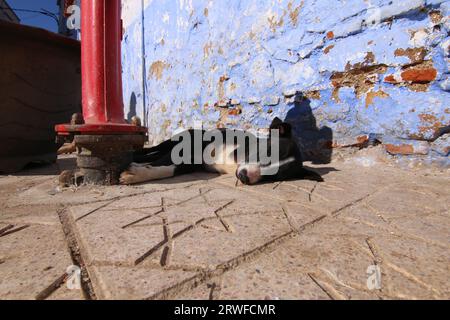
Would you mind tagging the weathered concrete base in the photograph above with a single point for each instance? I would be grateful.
(201, 237)
(104, 157)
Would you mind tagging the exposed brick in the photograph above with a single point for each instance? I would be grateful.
(373, 94)
(419, 75)
(358, 142)
(404, 149)
(327, 49)
(421, 148)
(416, 77)
(414, 54)
(362, 139)
(313, 95)
(235, 111)
(390, 79)
(362, 79)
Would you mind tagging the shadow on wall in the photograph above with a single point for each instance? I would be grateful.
(313, 142)
(133, 103)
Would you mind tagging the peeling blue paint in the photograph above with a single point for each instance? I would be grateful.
(264, 54)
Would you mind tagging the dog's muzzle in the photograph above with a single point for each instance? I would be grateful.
(242, 176)
(248, 174)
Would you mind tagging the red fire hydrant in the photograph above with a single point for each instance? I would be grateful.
(104, 140)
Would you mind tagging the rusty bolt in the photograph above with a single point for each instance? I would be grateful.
(136, 121)
(77, 119)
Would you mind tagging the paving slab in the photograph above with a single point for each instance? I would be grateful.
(203, 236)
(124, 283)
(209, 249)
(33, 258)
(411, 268)
(34, 214)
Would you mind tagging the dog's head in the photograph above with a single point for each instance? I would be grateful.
(287, 165)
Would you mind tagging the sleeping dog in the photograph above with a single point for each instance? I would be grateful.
(253, 160)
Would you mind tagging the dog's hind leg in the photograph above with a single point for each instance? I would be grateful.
(149, 155)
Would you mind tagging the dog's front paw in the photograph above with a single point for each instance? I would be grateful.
(136, 173)
(126, 178)
(129, 176)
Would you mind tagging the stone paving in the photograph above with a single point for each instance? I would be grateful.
(202, 237)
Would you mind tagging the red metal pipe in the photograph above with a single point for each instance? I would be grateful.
(101, 61)
(104, 141)
(102, 97)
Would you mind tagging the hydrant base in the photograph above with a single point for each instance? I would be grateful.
(102, 158)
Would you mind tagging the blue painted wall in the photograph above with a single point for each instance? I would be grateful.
(340, 71)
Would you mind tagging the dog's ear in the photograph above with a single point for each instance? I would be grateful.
(285, 129)
(276, 123)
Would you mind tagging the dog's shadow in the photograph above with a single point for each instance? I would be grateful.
(322, 171)
(199, 176)
(314, 142)
(195, 177)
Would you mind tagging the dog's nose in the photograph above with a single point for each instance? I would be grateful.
(242, 176)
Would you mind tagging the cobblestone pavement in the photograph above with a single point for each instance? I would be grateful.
(202, 237)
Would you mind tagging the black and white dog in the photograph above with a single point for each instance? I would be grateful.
(241, 155)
